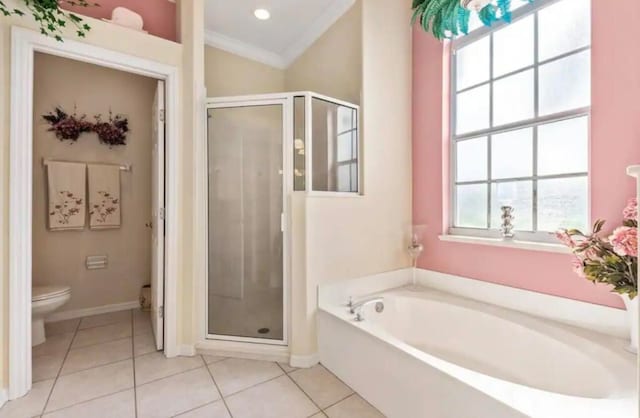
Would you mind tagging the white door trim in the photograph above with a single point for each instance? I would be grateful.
(24, 43)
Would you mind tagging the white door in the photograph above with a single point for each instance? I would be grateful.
(157, 214)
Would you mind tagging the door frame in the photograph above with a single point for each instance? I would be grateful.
(24, 44)
(286, 101)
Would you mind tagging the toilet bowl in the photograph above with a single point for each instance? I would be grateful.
(44, 301)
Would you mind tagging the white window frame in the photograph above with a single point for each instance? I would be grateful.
(535, 122)
(355, 156)
(308, 140)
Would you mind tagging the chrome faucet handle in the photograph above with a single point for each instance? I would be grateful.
(358, 307)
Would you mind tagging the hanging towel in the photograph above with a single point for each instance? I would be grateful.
(104, 196)
(67, 195)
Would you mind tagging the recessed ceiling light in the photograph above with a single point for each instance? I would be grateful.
(262, 14)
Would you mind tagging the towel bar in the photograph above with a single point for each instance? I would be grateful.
(126, 167)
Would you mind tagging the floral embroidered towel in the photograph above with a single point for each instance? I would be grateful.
(104, 196)
(67, 195)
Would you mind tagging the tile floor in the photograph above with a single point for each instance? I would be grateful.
(107, 366)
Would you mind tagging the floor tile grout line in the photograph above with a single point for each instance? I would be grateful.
(100, 343)
(55, 381)
(103, 325)
(343, 399)
(133, 356)
(94, 367)
(303, 391)
(196, 408)
(88, 400)
(224, 401)
(96, 344)
(170, 375)
(252, 386)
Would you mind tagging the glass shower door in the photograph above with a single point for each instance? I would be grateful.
(245, 208)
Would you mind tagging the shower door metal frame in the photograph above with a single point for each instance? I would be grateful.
(286, 102)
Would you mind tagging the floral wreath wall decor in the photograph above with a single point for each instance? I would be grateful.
(67, 127)
(111, 132)
(51, 17)
(450, 18)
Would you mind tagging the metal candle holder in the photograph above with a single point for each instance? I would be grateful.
(507, 222)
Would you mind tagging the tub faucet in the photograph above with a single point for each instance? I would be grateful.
(356, 307)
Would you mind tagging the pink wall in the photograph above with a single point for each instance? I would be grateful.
(615, 144)
(159, 15)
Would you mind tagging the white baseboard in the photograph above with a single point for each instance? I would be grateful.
(304, 362)
(603, 319)
(81, 313)
(4, 396)
(187, 350)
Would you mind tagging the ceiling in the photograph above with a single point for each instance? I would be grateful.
(294, 25)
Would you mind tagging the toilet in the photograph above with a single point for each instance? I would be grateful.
(44, 301)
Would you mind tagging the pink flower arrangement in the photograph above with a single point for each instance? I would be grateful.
(611, 260)
(630, 213)
(625, 241)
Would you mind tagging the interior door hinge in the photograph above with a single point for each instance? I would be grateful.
(282, 222)
(161, 115)
(161, 312)
(162, 213)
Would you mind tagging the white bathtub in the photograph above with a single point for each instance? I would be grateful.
(431, 354)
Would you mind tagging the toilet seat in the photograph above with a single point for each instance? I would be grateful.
(40, 293)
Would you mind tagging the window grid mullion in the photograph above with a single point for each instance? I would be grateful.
(490, 137)
(536, 95)
(528, 178)
(528, 67)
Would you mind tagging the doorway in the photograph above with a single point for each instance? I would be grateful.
(165, 197)
(247, 189)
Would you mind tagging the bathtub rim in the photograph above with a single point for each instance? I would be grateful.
(598, 318)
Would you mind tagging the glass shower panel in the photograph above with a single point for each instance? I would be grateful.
(334, 147)
(245, 277)
(299, 144)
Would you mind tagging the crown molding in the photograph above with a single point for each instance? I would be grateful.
(243, 49)
(332, 13)
(335, 11)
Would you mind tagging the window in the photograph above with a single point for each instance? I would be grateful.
(331, 133)
(521, 97)
(347, 150)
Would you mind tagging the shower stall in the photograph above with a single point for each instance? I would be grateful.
(261, 150)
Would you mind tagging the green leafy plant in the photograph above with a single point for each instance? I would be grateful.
(51, 17)
(450, 18)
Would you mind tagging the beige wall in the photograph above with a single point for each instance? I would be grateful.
(59, 257)
(117, 39)
(227, 74)
(333, 64)
(353, 237)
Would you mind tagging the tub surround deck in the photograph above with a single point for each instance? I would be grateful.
(582, 371)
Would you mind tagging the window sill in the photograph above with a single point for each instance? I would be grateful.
(634, 171)
(495, 242)
(350, 195)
